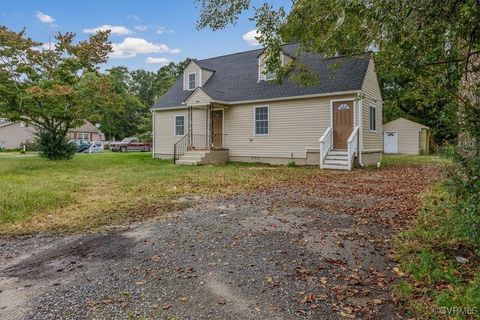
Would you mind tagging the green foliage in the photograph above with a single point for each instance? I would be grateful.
(51, 89)
(425, 51)
(428, 252)
(291, 164)
(54, 145)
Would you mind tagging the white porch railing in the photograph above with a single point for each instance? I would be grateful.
(325, 144)
(352, 143)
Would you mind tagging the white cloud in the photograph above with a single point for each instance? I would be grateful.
(162, 30)
(45, 18)
(130, 47)
(119, 30)
(45, 46)
(141, 27)
(176, 50)
(249, 37)
(160, 61)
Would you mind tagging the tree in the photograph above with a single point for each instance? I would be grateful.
(53, 88)
(424, 49)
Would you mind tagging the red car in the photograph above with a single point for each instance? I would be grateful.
(130, 144)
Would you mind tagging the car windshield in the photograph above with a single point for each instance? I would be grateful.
(126, 140)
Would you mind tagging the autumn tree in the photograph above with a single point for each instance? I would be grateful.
(53, 87)
(425, 50)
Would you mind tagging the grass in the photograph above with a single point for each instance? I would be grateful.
(94, 190)
(436, 285)
(401, 160)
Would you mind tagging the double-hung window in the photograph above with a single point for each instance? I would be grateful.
(261, 115)
(373, 119)
(192, 81)
(179, 125)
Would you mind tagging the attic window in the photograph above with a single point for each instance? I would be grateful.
(270, 76)
(191, 81)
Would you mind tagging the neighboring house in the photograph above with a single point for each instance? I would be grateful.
(14, 135)
(86, 132)
(226, 108)
(403, 136)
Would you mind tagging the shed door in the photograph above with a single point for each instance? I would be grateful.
(390, 142)
(342, 123)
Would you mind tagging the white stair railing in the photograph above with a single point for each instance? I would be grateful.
(352, 143)
(325, 144)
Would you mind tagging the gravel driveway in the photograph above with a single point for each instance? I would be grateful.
(315, 249)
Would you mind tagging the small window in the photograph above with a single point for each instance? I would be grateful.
(191, 81)
(270, 76)
(261, 120)
(179, 125)
(373, 119)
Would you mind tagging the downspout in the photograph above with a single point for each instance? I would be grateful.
(153, 133)
(360, 124)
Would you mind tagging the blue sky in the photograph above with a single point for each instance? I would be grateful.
(147, 33)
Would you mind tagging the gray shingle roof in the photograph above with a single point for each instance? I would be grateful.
(236, 78)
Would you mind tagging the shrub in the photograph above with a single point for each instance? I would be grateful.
(291, 163)
(55, 146)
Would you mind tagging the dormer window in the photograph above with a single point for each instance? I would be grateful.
(192, 82)
(270, 76)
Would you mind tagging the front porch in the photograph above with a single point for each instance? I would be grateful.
(205, 144)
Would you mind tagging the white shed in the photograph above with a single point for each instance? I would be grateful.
(403, 136)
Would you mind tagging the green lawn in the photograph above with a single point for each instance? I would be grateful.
(92, 190)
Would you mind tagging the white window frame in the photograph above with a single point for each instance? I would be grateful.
(255, 121)
(83, 136)
(370, 118)
(188, 81)
(175, 124)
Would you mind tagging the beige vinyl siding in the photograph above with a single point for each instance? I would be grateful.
(12, 136)
(408, 135)
(199, 97)
(191, 68)
(164, 122)
(294, 126)
(206, 74)
(372, 97)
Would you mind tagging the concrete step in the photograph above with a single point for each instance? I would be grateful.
(335, 166)
(195, 153)
(193, 157)
(187, 162)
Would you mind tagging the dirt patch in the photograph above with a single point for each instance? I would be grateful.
(90, 249)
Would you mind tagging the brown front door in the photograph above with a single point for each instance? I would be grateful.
(217, 128)
(342, 123)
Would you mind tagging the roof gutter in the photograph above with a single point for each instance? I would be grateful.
(318, 95)
(288, 98)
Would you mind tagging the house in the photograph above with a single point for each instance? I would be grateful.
(86, 132)
(403, 136)
(13, 135)
(227, 109)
